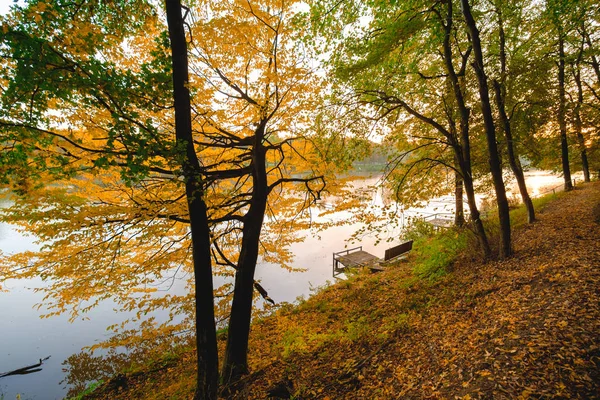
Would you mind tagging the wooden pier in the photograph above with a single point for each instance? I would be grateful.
(352, 258)
(357, 257)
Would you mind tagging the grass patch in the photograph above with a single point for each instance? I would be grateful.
(358, 329)
(393, 323)
(435, 252)
(319, 306)
(88, 390)
(293, 342)
(518, 216)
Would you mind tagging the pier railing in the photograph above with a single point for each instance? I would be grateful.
(342, 253)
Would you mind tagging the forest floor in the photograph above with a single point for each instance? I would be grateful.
(526, 327)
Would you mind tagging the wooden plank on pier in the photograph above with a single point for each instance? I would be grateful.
(440, 220)
(358, 258)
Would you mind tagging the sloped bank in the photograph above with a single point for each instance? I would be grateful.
(525, 327)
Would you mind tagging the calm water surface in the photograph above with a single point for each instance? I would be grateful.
(25, 338)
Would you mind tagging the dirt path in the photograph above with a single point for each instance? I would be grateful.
(528, 327)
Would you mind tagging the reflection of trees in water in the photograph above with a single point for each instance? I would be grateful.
(82, 369)
(4, 229)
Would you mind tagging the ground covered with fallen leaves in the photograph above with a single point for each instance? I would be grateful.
(526, 327)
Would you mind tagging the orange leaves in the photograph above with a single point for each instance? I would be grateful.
(248, 66)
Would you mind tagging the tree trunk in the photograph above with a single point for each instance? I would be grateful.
(475, 215)
(513, 159)
(500, 91)
(577, 118)
(490, 130)
(235, 363)
(463, 151)
(593, 59)
(459, 212)
(206, 338)
(562, 122)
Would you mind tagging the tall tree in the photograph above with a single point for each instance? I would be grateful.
(500, 96)
(577, 122)
(463, 153)
(266, 87)
(588, 105)
(557, 10)
(206, 337)
(490, 130)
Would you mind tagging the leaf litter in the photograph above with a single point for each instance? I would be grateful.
(526, 327)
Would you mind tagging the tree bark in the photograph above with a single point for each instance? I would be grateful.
(562, 122)
(235, 364)
(577, 117)
(459, 209)
(206, 338)
(490, 130)
(593, 59)
(500, 92)
(463, 150)
(513, 159)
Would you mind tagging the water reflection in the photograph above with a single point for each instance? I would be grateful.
(82, 368)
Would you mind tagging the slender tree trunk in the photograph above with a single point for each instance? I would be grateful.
(593, 59)
(236, 362)
(490, 130)
(463, 151)
(474, 211)
(562, 122)
(206, 338)
(500, 91)
(513, 159)
(459, 211)
(577, 117)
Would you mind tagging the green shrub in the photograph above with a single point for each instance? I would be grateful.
(418, 229)
(435, 254)
(292, 342)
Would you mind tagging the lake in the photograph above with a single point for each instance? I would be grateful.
(25, 338)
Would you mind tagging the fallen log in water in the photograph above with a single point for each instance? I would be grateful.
(25, 370)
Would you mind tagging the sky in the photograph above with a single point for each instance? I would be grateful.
(5, 5)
